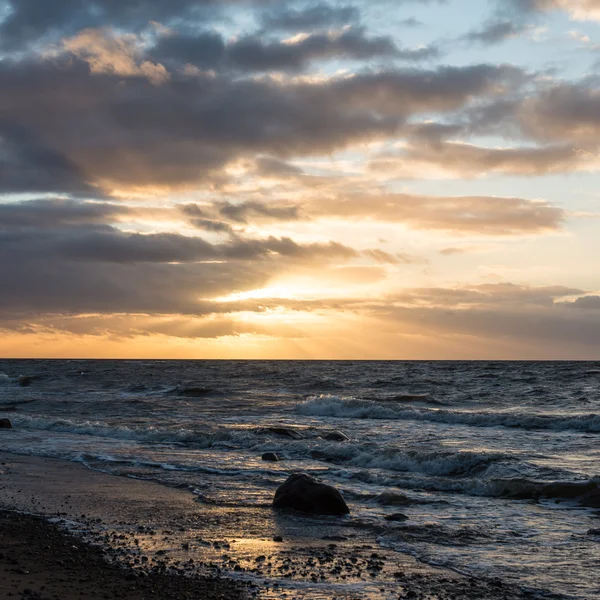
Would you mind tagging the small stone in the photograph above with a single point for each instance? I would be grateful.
(278, 538)
(270, 457)
(336, 436)
(396, 517)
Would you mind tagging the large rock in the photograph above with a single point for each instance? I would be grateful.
(306, 494)
(5, 424)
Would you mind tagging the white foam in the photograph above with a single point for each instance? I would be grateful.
(334, 406)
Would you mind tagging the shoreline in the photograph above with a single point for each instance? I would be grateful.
(40, 560)
(142, 527)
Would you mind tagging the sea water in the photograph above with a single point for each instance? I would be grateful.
(495, 464)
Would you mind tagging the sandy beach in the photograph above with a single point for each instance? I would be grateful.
(101, 536)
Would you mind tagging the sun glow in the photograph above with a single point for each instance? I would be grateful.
(287, 292)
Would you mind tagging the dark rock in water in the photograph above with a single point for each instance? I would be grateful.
(410, 398)
(306, 494)
(285, 432)
(336, 436)
(5, 424)
(396, 517)
(27, 380)
(593, 532)
(394, 499)
(270, 457)
(278, 538)
(194, 392)
(318, 454)
(591, 499)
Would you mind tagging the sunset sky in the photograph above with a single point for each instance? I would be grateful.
(390, 179)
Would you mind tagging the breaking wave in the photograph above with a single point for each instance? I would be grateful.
(334, 406)
(206, 438)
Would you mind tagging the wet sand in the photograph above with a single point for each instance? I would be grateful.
(110, 537)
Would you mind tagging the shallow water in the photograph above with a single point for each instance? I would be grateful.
(499, 461)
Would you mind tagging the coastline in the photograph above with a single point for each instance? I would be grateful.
(141, 536)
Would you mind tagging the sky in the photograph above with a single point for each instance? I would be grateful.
(300, 179)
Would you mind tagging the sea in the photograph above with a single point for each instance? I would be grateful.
(495, 464)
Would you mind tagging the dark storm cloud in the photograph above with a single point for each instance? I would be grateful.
(254, 53)
(57, 286)
(110, 245)
(209, 50)
(56, 264)
(48, 213)
(27, 164)
(125, 131)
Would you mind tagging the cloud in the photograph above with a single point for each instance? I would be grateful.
(581, 10)
(28, 24)
(184, 132)
(58, 212)
(27, 164)
(107, 52)
(460, 214)
(314, 16)
(255, 53)
(495, 32)
(564, 112)
(586, 302)
(467, 160)
(241, 213)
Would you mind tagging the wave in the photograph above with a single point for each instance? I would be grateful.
(206, 438)
(586, 493)
(436, 464)
(334, 406)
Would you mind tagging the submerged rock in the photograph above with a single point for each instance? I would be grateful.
(394, 499)
(591, 499)
(396, 517)
(5, 424)
(286, 432)
(306, 494)
(270, 457)
(336, 436)
(194, 392)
